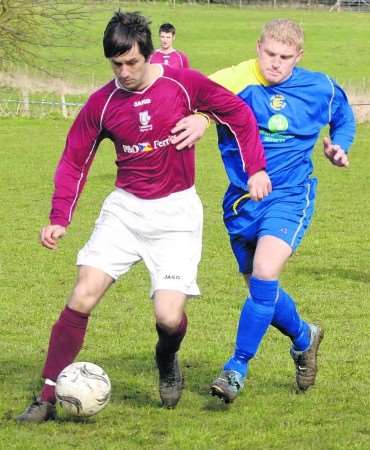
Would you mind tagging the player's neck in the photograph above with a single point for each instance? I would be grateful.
(154, 71)
(167, 51)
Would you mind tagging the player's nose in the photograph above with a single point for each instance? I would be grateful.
(123, 71)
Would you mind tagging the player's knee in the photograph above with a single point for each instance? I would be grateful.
(169, 322)
(83, 298)
(265, 272)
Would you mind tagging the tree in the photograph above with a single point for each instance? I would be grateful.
(27, 26)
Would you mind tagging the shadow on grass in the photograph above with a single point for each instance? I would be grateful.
(134, 383)
(215, 405)
(322, 273)
(199, 377)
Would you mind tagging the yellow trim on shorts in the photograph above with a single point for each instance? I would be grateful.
(240, 199)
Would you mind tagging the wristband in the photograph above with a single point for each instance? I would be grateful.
(205, 116)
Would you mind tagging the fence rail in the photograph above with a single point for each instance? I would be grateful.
(42, 102)
(44, 108)
(38, 108)
(332, 5)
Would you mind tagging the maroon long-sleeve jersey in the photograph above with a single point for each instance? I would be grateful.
(174, 59)
(139, 124)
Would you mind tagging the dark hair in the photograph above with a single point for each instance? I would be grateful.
(167, 28)
(123, 31)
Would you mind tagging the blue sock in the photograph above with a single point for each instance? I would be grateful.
(255, 318)
(238, 365)
(288, 321)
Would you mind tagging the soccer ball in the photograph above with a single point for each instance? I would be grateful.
(83, 389)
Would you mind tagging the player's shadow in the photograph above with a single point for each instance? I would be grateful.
(199, 374)
(321, 273)
(134, 380)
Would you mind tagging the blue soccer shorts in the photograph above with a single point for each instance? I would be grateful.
(285, 214)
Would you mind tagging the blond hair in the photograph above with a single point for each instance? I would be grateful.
(285, 31)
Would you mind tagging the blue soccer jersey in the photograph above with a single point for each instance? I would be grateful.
(290, 116)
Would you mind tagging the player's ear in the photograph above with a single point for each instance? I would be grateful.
(300, 55)
(258, 46)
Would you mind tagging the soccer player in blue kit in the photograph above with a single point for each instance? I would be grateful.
(291, 105)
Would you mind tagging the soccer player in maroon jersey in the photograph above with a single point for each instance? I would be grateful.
(154, 214)
(166, 54)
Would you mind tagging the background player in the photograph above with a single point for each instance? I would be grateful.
(166, 54)
(154, 214)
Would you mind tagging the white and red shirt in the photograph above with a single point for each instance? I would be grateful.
(139, 125)
(175, 59)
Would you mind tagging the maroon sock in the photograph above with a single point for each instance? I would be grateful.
(66, 340)
(170, 343)
(48, 393)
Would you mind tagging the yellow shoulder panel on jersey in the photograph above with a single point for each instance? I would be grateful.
(237, 78)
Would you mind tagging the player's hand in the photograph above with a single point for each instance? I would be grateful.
(259, 185)
(335, 154)
(50, 235)
(188, 131)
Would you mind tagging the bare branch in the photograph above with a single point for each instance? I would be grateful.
(26, 26)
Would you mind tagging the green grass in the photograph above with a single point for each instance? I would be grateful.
(329, 276)
(215, 37)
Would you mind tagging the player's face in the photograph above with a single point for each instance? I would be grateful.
(166, 40)
(131, 69)
(277, 60)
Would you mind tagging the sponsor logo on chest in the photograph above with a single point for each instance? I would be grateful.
(137, 148)
(147, 146)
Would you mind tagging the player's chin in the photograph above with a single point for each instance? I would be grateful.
(128, 84)
(274, 79)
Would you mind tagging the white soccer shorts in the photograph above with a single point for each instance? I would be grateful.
(165, 233)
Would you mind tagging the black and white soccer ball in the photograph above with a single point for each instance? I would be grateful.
(83, 389)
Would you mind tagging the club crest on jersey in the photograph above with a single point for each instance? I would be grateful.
(277, 102)
(144, 119)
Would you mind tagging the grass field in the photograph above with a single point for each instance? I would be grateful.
(215, 37)
(329, 276)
